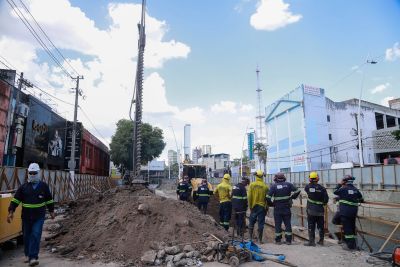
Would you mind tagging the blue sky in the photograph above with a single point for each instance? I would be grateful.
(204, 55)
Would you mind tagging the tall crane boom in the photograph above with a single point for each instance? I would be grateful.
(137, 99)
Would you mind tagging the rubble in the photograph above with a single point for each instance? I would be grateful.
(136, 226)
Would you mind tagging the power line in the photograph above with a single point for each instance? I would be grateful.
(37, 87)
(47, 37)
(36, 36)
(94, 127)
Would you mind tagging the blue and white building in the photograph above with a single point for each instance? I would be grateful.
(308, 131)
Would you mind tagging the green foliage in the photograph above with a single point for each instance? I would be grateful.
(396, 134)
(121, 144)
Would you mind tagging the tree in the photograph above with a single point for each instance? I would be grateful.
(396, 134)
(261, 151)
(121, 144)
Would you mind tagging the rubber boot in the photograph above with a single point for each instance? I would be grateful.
(260, 237)
(251, 234)
(321, 239)
(311, 241)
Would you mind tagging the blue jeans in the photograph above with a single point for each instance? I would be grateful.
(32, 231)
(257, 215)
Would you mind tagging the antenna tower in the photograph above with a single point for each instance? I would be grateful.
(259, 135)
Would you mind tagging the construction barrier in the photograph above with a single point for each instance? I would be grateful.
(62, 185)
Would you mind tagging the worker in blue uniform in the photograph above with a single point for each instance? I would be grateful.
(317, 199)
(280, 196)
(239, 205)
(34, 196)
(349, 198)
(202, 195)
(184, 189)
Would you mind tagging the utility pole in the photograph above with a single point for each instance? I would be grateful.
(71, 163)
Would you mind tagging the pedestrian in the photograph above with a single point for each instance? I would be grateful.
(349, 198)
(317, 199)
(257, 202)
(202, 196)
(280, 196)
(184, 189)
(34, 196)
(224, 193)
(239, 204)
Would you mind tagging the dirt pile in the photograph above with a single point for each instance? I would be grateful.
(124, 225)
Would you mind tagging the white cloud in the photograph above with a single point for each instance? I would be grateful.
(224, 107)
(385, 101)
(380, 88)
(393, 53)
(246, 107)
(272, 15)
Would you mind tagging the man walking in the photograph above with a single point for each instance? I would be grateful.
(349, 198)
(224, 193)
(239, 204)
(280, 196)
(184, 189)
(203, 196)
(257, 202)
(317, 199)
(34, 196)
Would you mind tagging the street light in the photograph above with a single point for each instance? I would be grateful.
(360, 149)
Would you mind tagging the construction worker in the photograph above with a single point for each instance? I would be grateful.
(34, 196)
(317, 199)
(280, 196)
(257, 202)
(184, 189)
(224, 193)
(239, 204)
(202, 196)
(349, 198)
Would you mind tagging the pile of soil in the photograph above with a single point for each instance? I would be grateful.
(122, 224)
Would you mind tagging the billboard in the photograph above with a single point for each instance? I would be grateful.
(250, 145)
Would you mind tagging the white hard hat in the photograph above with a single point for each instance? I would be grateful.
(33, 167)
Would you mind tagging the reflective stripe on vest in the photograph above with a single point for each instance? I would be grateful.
(34, 206)
(16, 201)
(281, 198)
(348, 202)
(349, 236)
(315, 202)
(203, 195)
(238, 197)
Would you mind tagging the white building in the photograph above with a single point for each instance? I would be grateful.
(186, 141)
(172, 157)
(196, 154)
(206, 149)
(308, 131)
(216, 163)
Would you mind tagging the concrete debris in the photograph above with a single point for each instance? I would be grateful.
(172, 250)
(178, 257)
(149, 257)
(161, 254)
(144, 209)
(188, 248)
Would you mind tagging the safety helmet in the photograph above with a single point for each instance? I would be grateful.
(279, 177)
(313, 177)
(227, 176)
(259, 173)
(33, 167)
(348, 179)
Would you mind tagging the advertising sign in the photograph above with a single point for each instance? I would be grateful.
(250, 145)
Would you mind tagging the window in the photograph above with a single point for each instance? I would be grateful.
(330, 137)
(390, 121)
(398, 121)
(285, 169)
(379, 121)
(328, 118)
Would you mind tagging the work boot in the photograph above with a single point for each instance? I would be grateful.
(33, 262)
(321, 241)
(278, 242)
(260, 237)
(311, 240)
(251, 234)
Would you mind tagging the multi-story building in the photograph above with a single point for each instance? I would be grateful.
(186, 142)
(196, 154)
(172, 157)
(216, 163)
(308, 131)
(206, 149)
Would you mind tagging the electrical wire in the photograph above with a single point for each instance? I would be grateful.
(36, 36)
(94, 127)
(48, 38)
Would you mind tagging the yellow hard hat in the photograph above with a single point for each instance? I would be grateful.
(259, 173)
(313, 175)
(227, 176)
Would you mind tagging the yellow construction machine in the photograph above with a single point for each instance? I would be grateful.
(196, 173)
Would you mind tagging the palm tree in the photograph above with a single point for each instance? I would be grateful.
(261, 150)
